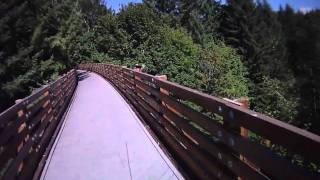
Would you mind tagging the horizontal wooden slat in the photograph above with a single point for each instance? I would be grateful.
(11, 113)
(10, 150)
(37, 94)
(11, 130)
(272, 129)
(34, 108)
(180, 151)
(11, 172)
(37, 119)
(144, 94)
(130, 81)
(207, 163)
(34, 113)
(261, 156)
(145, 76)
(152, 102)
(228, 160)
(150, 90)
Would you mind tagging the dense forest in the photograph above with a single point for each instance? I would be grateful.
(239, 49)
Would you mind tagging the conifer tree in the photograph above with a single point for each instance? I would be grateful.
(253, 29)
(199, 17)
(301, 32)
(17, 21)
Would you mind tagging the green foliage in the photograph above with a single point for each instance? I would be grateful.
(198, 17)
(16, 65)
(225, 75)
(272, 99)
(273, 58)
(302, 40)
(254, 30)
(139, 22)
(173, 53)
(36, 42)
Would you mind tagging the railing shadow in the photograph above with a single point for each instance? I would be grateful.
(82, 75)
(205, 134)
(28, 129)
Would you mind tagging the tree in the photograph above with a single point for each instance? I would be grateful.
(274, 99)
(139, 22)
(35, 42)
(17, 21)
(173, 53)
(241, 48)
(271, 53)
(224, 72)
(236, 25)
(301, 32)
(253, 29)
(199, 17)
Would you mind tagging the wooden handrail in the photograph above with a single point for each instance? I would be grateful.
(202, 132)
(27, 127)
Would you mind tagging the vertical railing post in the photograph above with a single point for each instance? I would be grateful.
(243, 102)
(163, 91)
(137, 69)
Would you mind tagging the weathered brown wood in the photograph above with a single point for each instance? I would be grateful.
(36, 94)
(40, 147)
(10, 150)
(255, 152)
(12, 170)
(11, 113)
(25, 125)
(38, 118)
(36, 107)
(127, 80)
(50, 132)
(174, 145)
(221, 154)
(272, 129)
(144, 76)
(11, 130)
(144, 93)
(207, 163)
(152, 102)
(150, 90)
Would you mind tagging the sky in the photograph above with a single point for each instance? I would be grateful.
(116, 4)
(302, 5)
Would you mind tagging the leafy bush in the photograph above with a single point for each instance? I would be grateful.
(271, 98)
(224, 73)
(173, 53)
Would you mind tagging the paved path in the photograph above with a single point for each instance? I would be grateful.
(102, 138)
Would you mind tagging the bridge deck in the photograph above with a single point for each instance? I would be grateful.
(102, 138)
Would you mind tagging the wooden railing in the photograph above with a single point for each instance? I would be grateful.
(202, 132)
(28, 127)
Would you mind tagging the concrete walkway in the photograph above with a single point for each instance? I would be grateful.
(102, 138)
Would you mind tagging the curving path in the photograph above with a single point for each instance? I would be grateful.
(102, 138)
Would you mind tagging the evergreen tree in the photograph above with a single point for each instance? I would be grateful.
(236, 23)
(273, 58)
(165, 6)
(302, 33)
(253, 29)
(271, 52)
(32, 48)
(199, 17)
(17, 21)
